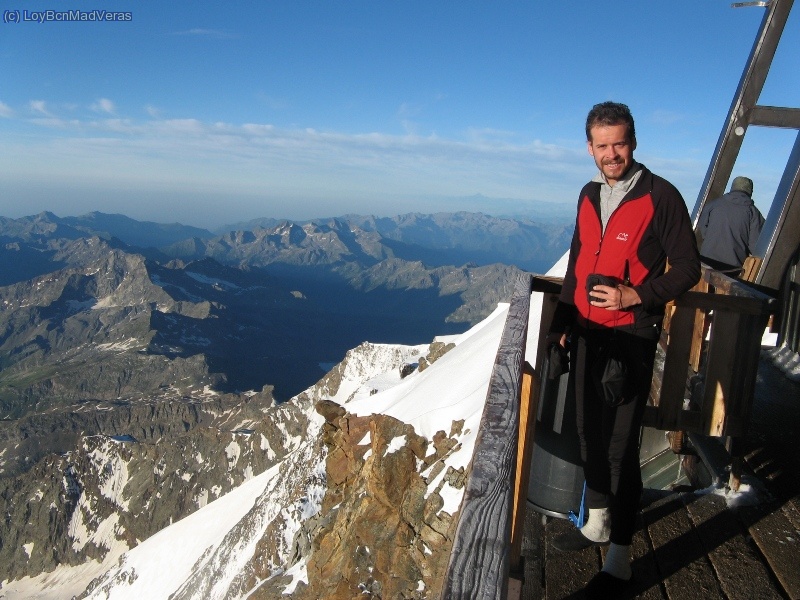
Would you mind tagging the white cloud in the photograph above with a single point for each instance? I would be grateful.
(39, 106)
(5, 110)
(51, 122)
(298, 169)
(407, 109)
(262, 156)
(104, 105)
(257, 129)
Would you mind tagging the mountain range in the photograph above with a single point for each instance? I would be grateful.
(439, 239)
(253, 308)
(135, 348)
(351, 488)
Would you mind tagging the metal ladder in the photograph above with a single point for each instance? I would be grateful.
(780, 236)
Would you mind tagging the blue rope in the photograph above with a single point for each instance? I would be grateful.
(579, 520)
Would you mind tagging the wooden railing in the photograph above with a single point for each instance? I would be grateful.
(480, 559)
(486, 547)
(732, 316)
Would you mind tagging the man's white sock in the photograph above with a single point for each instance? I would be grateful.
(598, 525)
(618, 562)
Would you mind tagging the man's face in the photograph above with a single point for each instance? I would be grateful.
(612, 150)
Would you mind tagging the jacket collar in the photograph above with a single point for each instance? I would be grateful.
(642, 187)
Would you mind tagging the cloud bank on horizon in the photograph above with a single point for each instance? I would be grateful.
(210, 114)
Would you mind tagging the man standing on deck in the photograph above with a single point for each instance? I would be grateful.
(629, 223)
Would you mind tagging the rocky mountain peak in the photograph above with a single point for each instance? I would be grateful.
(386, 534)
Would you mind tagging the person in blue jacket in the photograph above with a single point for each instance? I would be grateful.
(730, 226)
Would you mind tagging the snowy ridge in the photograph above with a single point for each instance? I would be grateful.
(368, 366)
(209, 552)
(219, 550)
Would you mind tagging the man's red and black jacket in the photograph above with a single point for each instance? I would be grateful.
(650, 226)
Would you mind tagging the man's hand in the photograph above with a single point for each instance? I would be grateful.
(615, 298)
(557, 338)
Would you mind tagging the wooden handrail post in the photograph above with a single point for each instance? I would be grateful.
(529, 400)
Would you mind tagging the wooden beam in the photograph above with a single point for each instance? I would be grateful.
(750, 268)
(731, 372)
(549, 303)
(733, 287)
(547, 284)
(529, 400)
(739, 304)
(721, 355)
(700, 330)
(480, 557)
(676, 367)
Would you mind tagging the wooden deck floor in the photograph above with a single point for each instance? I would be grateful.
(691, 545)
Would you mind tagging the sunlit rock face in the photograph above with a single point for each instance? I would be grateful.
(385, 533)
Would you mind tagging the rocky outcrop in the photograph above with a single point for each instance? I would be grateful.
(435, 352)
(384, 532)
(88, 331)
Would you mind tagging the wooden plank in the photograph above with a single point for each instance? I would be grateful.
(547, 284)
(738, 304)
(479, 563)
(750, 268)
(549, 303)
(690, 420)
(745, 373)
(681, 560)
(719, 371)
(529, 399)
(699, 331)
(731, 372)
(732, 287)
(741, 573)
(676, 365)
(646, 580)
(792, 511)
(779, 541)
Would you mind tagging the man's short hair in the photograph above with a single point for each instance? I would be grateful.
(610, 113)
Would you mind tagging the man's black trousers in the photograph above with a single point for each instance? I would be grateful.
(609, 435)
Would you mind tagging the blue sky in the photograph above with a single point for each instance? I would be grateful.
(210, 113)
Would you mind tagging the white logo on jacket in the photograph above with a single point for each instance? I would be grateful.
(622, 237)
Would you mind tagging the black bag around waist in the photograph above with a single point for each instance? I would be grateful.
(610, 372)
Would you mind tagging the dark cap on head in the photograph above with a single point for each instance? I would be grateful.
(742, 184)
